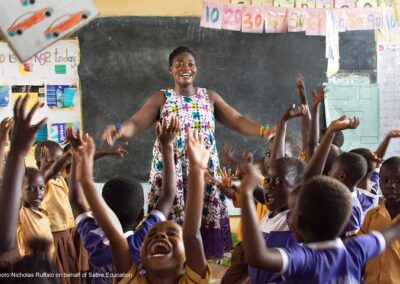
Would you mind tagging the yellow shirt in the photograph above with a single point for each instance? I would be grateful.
(385, 268)
(33, 224)
(190, 277)
(56, 203)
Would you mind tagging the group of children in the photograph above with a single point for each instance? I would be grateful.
(326, 221)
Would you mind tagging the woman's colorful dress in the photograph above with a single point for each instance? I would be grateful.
(197, 113)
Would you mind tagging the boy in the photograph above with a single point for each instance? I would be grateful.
(320, 212)
(165, 258)
(385, 268)
(125, 198)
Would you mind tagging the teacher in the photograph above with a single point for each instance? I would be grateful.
(196, 108)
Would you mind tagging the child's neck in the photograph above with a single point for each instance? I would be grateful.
(186, 91)
(27, 205)
(393, 209)
(277, 211)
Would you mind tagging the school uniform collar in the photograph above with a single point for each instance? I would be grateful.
(285, 211)
(354, 193)
(382, 210)
(333, 244)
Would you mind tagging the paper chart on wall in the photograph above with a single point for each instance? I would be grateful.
(51, 77)
(388, 78)
(332, 43)
(30, 26)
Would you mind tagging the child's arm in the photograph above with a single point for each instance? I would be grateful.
(380, 152)
(76, 198)
(57, 166)
(313, 134)
(278, 148)
(226, 186)
(305, 119)
(391, 234)
(104, 216)
(257, 253)
(316, 164)
(166, 135)
(198, 159)
(5, 128)
(22, 139)
(118, 150)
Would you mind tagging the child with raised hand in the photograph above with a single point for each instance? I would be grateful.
(22, 139)
(385, 268)
(320, 212)
(125, 198)
(305, 119)
(349, 168)
(165, 257)
(6, 126)
(381, 151)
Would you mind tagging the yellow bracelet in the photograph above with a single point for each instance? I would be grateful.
(261, 130)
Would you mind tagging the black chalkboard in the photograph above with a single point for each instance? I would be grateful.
(125, 59)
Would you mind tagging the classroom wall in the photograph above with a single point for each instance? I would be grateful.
(150, 7)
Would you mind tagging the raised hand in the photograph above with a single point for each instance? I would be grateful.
(166, 134)
(318, 96)
(83, 157)
(394, 133)
(226, 178)
(111, 133)
(198, 154)
(300, 87)
(118, 150)
(343, 123)
(228, 155)
(250, 180)
(74, 140)
(6, 126)
(294, 111)
(23, 134)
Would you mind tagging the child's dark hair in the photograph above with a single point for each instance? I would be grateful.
(291, 165)
(324, 204)
(294, 144)
(37, 262)
(365, 153)
(179, 50)
(338, 140)
(31, 173)
(51, 145)
(125, 197)
(391, 162)
(354, 165)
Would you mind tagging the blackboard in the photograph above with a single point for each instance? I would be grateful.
(125, 59)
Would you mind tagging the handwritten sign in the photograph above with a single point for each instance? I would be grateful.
(364, 19)
(232, 17)
(324, 4)
(390, 22)
(367, 3)
(296, 20)
(341, 18)
(276, 20)
(305, 4)
(252, 19)
(345, 3)
(284, 3)
(265, 3)
(211, 16)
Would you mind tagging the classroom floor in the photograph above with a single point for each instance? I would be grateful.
(217, 271)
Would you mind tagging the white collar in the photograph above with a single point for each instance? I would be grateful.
(354, 193)
(285, 212)
(336, 243)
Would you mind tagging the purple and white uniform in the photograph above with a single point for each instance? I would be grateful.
(97, 245)
(276, 234)
(356, 217)
(369, 199)
(330, 262)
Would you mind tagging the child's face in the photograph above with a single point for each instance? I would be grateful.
(183, 69)
(279, 183)
(163, 248)
(389, 181)
(33, 191)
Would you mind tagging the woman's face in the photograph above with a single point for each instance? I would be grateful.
(183, 69)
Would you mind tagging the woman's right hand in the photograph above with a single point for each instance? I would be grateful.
(111, 133)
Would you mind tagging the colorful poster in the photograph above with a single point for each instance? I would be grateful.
(57, 130)
(211, 16)
(324, 4)
(31, 26)
(276, 20)
(284, 3)
(4, 95)
(232, 17)
(312, 22)
(390, 23)
(41, 135)
(252, 19)
(36, 94)
(364, 19)
(388, 78)
(60, 96)
(345, 4)
(366, 3)
(265, 3)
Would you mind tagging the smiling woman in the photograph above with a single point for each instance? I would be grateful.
(196, 108)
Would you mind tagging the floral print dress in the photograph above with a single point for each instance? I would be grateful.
(197, 113)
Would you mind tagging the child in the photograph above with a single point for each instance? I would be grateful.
(165, 258)
(349, 168)
(21, 141)
(385, 268)
(57, 205)
(125, 198)
(5, 131)
(319, 215)
(33, 222)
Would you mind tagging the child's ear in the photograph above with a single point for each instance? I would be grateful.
(140, 216)
(343, 177)
(170, 69)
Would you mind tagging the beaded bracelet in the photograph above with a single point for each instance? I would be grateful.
(262, 128)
